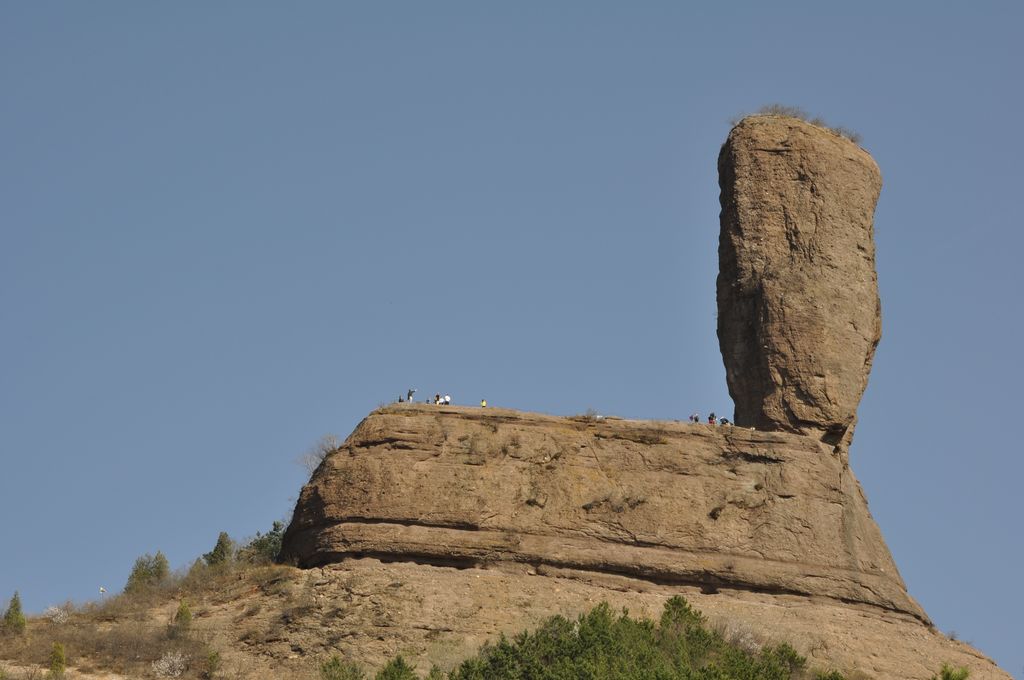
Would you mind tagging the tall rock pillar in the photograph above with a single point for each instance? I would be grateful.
(798, 310)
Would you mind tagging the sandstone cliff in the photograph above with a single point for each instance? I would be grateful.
(453, 524)
(671, 503)
(798, 308)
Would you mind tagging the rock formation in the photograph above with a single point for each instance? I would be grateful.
(474, 521)
(798, 309)
(672, 503)
(435, 528)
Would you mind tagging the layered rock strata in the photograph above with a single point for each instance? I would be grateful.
(798, 308)
(433, 529)
(719, 508)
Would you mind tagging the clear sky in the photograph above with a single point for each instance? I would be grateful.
(229, 228)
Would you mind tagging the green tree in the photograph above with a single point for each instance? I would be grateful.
(222, 552)
(213, 664)
(603, 645)
(148, 571)
(264, 547)
(182, 622)
(58, 662)
(435, 674)
(14, 618)
(336, 669)
(397, 669)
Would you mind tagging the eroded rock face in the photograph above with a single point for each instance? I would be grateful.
(433, 529)
(798, 308)
(718, 508)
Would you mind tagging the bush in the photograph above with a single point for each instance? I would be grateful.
(58, 662)
(796, 112)
(14, 618)
(601, 645)
(171, 665)
(222, 552)
(950, 673)
(182, 622)
(336, 669)
(265, 547)
(213, 664)
(148, 571)
(58, 615)
(312, 458)
(397, 669)
(788, 111)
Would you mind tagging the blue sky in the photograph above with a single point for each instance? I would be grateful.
(228, 229)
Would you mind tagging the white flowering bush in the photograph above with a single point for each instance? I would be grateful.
(740, 638)
(171, 665)
(57, 615)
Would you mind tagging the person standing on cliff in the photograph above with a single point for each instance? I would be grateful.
(408, 397)
(711, 418)
(447, 400)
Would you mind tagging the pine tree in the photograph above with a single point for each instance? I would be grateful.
(264, 547)
(161, 567)
(222, 552)
(149, 570)
(14, 618)
(58, 661)
(182, 623)
(336, 669)
(397, 669)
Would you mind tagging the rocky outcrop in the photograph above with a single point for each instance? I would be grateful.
(432, 529)
(483, 520)
(720, 508)
(798, 309)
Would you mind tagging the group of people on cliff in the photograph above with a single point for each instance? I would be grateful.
(446, 400)
(438, 400)
(712, 419)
